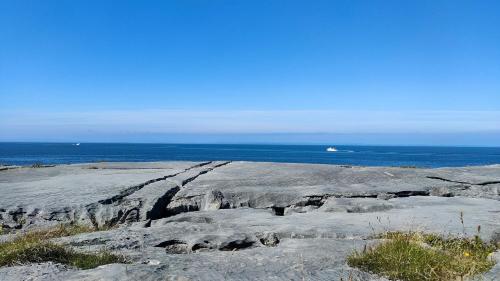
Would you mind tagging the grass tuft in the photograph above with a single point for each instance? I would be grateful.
(35, 247)
(417, 256)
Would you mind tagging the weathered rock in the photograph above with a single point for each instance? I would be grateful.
(214, 200)
(269, 239)
(495, 238)
(239, 220)
(357, 205)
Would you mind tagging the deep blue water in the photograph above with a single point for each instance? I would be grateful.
(423, 156)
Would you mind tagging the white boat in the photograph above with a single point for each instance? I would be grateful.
(77, 144)
(331, 149)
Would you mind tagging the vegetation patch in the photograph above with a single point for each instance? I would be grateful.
(418, 256)
(35, 247)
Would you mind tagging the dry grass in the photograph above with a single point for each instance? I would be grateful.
(34, 247)
(416, 256)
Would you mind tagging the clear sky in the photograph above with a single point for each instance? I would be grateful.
(380, 72)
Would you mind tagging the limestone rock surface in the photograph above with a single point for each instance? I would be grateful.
(226, 220)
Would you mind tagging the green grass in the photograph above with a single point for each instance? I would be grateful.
(35, 247)
(417, 256)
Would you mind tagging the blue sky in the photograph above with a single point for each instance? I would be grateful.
(380, 72)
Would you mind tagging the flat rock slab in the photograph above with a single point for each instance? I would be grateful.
(67, 185)
(240, 220)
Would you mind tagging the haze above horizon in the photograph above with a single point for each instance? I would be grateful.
(350, 72)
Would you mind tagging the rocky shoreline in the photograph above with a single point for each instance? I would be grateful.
(240, 220)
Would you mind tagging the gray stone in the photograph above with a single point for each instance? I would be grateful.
(240, 220)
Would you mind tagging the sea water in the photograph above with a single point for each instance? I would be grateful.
(418, 156)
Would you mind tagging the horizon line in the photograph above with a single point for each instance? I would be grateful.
(255, 143)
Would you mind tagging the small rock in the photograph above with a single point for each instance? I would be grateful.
(269, 239)
(385, 196)
(153, 262)
(441, 191)
(214, 200)
(495, 238)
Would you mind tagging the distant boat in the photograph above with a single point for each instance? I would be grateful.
(77, 144)
(331, 149)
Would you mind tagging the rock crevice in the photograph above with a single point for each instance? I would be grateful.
(464, 182)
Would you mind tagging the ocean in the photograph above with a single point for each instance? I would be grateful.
(418, 156)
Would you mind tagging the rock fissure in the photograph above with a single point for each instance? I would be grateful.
(118, 209)
(132, 214)
(185, 204)
(129, 191)
(161, 207)
(188, 180)
(463, 182)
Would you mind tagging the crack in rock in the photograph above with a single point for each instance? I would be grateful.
(463, 182)
(312, 202)
(236, 245)
(159, 209)
(233, 242)
(129, 191)
(114, 210)
(186, 181)
(215, 200)
(184, 205)
(174, 246)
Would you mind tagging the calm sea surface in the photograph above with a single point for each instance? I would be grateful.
(59, 153)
